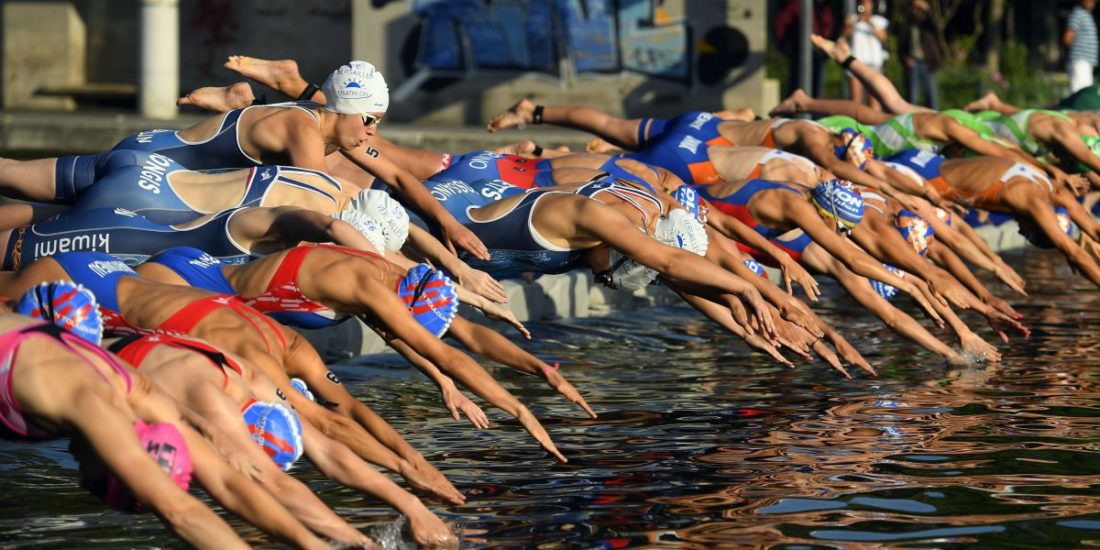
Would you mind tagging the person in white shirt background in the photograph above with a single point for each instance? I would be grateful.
(865, 32)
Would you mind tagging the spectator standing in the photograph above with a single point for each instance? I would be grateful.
(920, 50)
(1080, 37)
(865, 32)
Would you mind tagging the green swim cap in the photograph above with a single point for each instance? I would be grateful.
(1093, 144)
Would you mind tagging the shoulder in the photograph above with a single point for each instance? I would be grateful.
(879, 22)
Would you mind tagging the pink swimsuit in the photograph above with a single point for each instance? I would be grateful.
(12, 421)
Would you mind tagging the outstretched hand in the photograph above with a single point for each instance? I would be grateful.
(562, 386)
(483, 284)
(794, 272)
(457, 235)
(455, 402)
(424, 477)
(499, 313)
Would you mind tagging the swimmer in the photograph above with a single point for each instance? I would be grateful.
(773, 208)
(297, 134)
(233, 393)
(955, 236)
(570, 171)
(923, 124)
(903, 239)
(1013, 188)
(232, 235)
(308, 286)
(60, 385)
(133, 304)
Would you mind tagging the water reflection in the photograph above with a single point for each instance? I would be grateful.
(701, 444)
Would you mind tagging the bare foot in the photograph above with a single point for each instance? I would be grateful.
(220, 99)
(837, 51)
(793, 105)
(987, 102)
(600, 145)
(525, 147)
(517, 116)
(281, 75)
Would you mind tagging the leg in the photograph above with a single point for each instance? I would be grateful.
(799, 102)
(33, 180)
(220, 99)
(877, 83)
(618, 131)
(16, 214)
(281, 75)
(991, 102)
(856, 88)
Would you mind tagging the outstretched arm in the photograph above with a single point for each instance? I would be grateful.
(339, 463)
(389, 312)
(214, 404)
(607, 225)
(489, 343)
(735, 229)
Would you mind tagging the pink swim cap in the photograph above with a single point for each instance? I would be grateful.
(166, 446)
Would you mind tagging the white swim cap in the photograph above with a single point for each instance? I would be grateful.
(681, 230)
(369, 228)
(627, 274)
(356, 88)
(378, 206)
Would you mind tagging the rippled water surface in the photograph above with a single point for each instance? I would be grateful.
(700, 443)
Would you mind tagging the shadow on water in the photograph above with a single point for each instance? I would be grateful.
(701, 443)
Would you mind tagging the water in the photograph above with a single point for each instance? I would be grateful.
(700, 443)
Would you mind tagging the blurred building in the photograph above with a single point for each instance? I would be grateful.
(447, 61)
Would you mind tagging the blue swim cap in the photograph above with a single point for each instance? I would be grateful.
(755, 267)
(302, 387)
(915, 229)
(65, 304)
(838, 200)
(277, 429)
(430, 296)
(1030, 230)
(690, 200)
(856, 148)
(883, 289)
